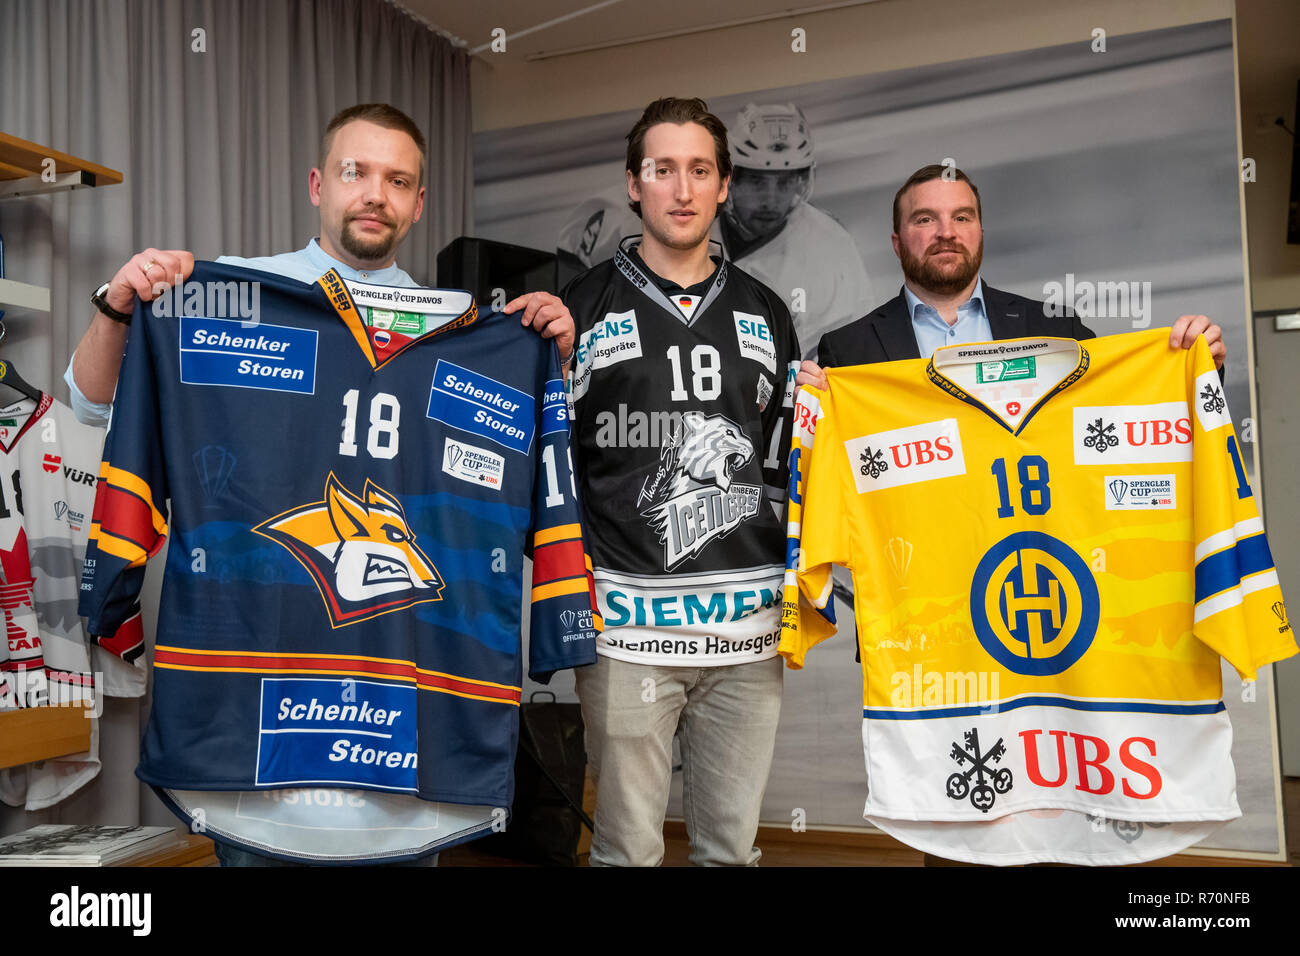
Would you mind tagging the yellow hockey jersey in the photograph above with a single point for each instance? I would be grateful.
(1052, 545)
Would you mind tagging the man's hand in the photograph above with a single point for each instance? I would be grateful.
(810, 373)
(146, 275)
(547, 315)
(1188, 327)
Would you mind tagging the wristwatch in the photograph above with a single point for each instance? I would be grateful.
(100, 303)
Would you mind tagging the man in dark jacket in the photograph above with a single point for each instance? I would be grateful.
(939, 240)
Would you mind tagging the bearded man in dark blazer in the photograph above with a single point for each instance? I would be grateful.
(939, 240)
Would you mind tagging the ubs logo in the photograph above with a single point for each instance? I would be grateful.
(1034, 604)
(1132, 434)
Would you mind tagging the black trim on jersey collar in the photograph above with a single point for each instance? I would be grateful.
(650, 288)
(668, 285)
(957, 392)
(336, 289)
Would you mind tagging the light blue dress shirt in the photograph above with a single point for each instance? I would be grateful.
(306, 265)
(933, 332)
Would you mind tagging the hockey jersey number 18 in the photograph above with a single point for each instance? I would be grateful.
(681, 407)
(356, 473)
(1052, 545)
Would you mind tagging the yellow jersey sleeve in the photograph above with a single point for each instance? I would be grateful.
(1239, 609)
(816, 535)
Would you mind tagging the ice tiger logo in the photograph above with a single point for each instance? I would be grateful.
(693, 499)
(709, 449)
(360, 551)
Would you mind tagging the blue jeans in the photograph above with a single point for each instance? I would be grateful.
(725, 720)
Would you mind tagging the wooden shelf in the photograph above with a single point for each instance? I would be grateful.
(20, 295)
(22, 164)
(193, 850)
(39, 733)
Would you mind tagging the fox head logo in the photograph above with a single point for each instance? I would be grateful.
(360, 551)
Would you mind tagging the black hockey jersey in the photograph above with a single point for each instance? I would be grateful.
(355, 473)
(682, 403)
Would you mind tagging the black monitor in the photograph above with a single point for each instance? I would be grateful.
(483, 266)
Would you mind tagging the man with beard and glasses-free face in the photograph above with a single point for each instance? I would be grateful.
(939, 240)
(682, 393)
(369, 188)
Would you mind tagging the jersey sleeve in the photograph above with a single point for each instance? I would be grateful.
(777, 416)
(576, 298)
(815, 538)
(564, 621)
(1239, 608)
(129, 521)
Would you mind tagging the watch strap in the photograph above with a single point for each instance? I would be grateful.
(101, 303)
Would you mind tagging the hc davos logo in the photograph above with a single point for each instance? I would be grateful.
(1034, 604)
(359, 550)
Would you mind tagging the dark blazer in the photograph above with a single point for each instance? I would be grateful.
(885, 334)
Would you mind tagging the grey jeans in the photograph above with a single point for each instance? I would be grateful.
(725, 719)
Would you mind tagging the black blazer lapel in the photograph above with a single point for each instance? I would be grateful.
(1006, 313)
(893, 327)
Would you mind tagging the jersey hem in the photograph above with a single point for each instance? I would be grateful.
(677, 661)
(1020, 858)
(74, 784)
(432, 796)
(231, 839)
(1273, 656)
(1210, 815)
(554, 666)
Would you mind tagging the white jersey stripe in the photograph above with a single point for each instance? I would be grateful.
(1226, 539)
(1234, 596)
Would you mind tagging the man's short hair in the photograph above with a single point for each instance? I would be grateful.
(935, 171)
(381, 114)
(679, 111)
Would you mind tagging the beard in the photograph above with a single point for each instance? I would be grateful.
(948, 279)
(376, 249)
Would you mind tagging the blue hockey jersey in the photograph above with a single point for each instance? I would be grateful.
(355, 473)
